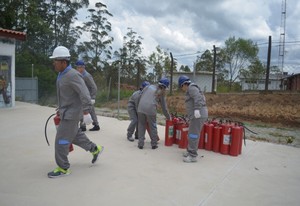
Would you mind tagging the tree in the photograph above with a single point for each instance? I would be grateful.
(160, 62)
(238, 55)
(255, 72)
(98, 49)
(184, 68)
(133, 64)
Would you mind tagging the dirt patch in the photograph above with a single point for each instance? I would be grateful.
(276, 108)
(281, 108)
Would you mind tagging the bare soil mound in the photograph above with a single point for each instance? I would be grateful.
(282, 108)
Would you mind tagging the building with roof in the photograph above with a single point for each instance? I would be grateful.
(202, 78)
(8, 40)
(276, 82)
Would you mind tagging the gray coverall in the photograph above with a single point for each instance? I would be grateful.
(195, 99)
(147, 109)
(92, 87)
(73, 98)
(132, 111)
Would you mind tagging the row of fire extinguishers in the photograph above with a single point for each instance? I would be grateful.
(225, 137)
(56, 120)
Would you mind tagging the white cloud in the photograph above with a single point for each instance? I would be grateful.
(188, 26)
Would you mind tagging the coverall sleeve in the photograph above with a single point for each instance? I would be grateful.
(80, 87)
(195, 95)
(164, 106)
(92, 86)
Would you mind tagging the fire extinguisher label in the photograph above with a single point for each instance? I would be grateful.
(226, 139)
(178, 134)
(185, 129)
(171, 131)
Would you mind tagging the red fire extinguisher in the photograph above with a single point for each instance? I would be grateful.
(56, 122)
(169, 130)
(208, 136)
(236, 136)
(217, 131)
(225, 138)
(201, 143)
(183, 137)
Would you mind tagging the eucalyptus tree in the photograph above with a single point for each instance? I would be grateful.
(160, 62)
(61, 16)
(133, 63)
(97, 49)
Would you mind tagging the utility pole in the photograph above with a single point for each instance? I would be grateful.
(268, 64)
(171, 79)
(214, 72)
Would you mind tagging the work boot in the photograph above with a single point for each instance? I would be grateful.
(95, 128)
(83, 128)
(59, 172)
(154, 147)
(130, 139)
(190, 159)
(185, 154)
(99, 149)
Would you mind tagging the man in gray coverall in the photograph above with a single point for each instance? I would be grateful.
(195, 104)
(132, 111)
(73, 101)
(147, 109)
(92, 87)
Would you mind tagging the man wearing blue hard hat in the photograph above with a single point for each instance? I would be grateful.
(132, 111)
(92, 87)
(195, 104)
(147, 109)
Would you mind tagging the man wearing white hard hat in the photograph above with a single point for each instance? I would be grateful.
(73, 101)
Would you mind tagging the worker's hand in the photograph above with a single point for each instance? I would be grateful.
(93, 101)
(87, 119)
(197, 114)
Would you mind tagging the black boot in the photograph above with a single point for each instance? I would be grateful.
(95, 128)
(83, 128)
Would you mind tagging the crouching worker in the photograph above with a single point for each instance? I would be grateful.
(73, 101)
(132, 111)
(195, 104)
(147, 109)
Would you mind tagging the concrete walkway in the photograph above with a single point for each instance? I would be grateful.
(265, 173)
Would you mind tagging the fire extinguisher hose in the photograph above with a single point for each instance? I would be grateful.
(46, 124)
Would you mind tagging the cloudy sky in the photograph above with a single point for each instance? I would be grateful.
(188, 27)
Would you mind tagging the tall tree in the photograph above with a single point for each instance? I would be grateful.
(238, 55)
(98, 49)
(133, 63)
(160, 62)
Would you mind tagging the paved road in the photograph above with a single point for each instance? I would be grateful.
(265, 174)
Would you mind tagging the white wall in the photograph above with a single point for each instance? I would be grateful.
(202, 79)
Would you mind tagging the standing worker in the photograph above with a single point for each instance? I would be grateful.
(195, 104)
(92, 87)
(132, 111)
(147, 109)
(73, 101)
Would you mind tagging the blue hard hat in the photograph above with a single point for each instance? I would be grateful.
(183, 79)
(145, 83)
(164, 82)
(80, 63)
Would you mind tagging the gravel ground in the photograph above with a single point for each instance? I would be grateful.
(254, 131)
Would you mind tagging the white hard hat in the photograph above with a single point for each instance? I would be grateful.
(60, 52)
